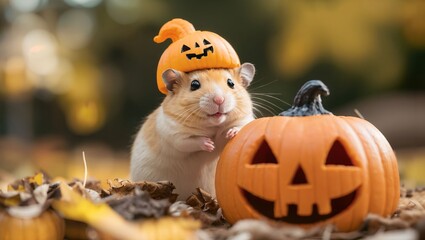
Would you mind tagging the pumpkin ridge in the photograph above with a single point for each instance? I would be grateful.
(241, 189)
(376, 169)
(391, 195)
(363, 204)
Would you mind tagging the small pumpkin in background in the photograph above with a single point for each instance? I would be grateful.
(48, 225)
(192, 50)
(308, 168)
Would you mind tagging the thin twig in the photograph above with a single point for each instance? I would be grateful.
(358, 113)
(85, 170)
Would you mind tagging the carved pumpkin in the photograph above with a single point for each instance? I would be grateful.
(49, 225)
(308, 167)
(192, 50)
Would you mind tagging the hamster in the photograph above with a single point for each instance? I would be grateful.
(182, 139)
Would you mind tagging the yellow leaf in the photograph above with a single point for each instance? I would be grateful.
(100, 216)
(171, 228)
(38, 179)
(10, 199)
(19, 188)
(103, 218)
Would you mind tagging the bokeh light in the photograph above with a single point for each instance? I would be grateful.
(83, 3)
(75, 28)
(27, 5)
(39, 49)
(124, 11)
(15, 82)
(86, 117)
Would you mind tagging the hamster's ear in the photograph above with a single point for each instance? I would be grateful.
(170, 77)
(247, 72)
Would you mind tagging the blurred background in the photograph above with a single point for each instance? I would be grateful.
(79, 75)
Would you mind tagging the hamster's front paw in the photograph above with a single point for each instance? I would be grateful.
(232, 132)
(207, 144)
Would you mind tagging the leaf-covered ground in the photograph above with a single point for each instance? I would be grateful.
(149, 210)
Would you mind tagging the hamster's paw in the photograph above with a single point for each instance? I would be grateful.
(232, 132)
(207, 144)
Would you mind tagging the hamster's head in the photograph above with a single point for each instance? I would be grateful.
(210, 97)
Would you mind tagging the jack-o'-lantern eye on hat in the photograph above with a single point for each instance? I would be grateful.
(308, 167)
(198, 54)
(192, 50)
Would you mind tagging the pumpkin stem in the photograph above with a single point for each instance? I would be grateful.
(174, 29)
(308, 102)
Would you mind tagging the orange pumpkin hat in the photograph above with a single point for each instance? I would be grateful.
(192, 50)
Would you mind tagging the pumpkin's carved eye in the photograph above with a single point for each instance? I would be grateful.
(206, 42)
(196, 45)
(264, 154)
(338, 155)
(185, 48)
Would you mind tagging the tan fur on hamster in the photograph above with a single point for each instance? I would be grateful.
(182, 139)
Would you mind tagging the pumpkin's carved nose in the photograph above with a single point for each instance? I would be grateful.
(299, 177)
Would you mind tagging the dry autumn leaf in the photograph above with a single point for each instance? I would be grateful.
(139, 205)
(157, 190)
(28, 197)
(73, 206)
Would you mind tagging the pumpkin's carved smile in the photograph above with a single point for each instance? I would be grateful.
(266, 208)
(199, 56)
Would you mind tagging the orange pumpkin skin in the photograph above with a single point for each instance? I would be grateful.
(49, 225)
(308, 171)
(192, 50)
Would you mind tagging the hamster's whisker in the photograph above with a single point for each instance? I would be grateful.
(186, 113)
(181, 115)
(272, 97)
(268, 93)
(267, 102)
(257, 110)
(262, 106)
(191, 113)
(261, 86)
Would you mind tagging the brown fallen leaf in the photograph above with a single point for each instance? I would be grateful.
(205, 208)
(201, 200)
(139, 205)
(157, 190)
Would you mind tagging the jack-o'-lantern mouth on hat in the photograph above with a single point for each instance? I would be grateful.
(204, 52)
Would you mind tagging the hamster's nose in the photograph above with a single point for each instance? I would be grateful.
(218, 100)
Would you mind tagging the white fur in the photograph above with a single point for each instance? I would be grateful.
(177, 163)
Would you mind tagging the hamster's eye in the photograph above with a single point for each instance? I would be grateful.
(195, 85)
(230, 83)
